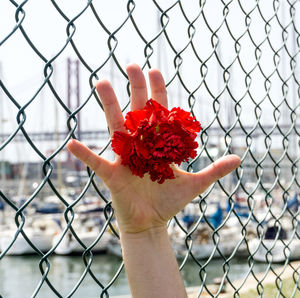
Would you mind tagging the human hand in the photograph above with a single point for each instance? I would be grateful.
(139, 203)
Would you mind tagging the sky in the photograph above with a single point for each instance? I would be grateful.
(226, 91)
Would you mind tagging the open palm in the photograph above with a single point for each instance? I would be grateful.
(140, 203)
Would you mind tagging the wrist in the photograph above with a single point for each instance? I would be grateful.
(149, 233)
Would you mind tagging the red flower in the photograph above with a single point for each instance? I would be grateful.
(156, 138)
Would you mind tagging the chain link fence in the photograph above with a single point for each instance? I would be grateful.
(233, 64)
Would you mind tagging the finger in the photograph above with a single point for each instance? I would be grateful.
(138, 87)
(223, 166)
(113, 112)
(102, 167)
(158, 87)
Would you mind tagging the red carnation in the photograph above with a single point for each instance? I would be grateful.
(156, 138)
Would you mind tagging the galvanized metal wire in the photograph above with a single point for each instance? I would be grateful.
(234, 64)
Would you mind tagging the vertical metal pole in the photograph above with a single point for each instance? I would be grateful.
(296, 99)
(73, 82)
(77, 90)
(295, 144)
(78, 165)
(2, 120)
(158, 43)
(69, 100)
(59, 174)
(285, 117)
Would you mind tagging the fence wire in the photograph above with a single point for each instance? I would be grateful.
(233, 64)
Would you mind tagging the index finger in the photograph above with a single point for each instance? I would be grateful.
(112, 110)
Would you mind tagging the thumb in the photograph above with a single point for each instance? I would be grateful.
(215, 171)
(101, 166)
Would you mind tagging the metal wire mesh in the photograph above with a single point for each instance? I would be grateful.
(233, 64)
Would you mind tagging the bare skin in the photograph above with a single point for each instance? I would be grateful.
(143, 207)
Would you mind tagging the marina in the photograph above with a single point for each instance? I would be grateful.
(50, 227)
(69, 240)
(23, 272)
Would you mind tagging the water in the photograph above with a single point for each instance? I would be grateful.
(20, 275)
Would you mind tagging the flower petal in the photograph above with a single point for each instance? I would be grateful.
(186, 119)
(122, 145)
(157, 138)
(133, 119)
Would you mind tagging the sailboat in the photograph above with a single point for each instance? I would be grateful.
(40, 232)
(279, 241)
(88, 232)
(208, 240)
